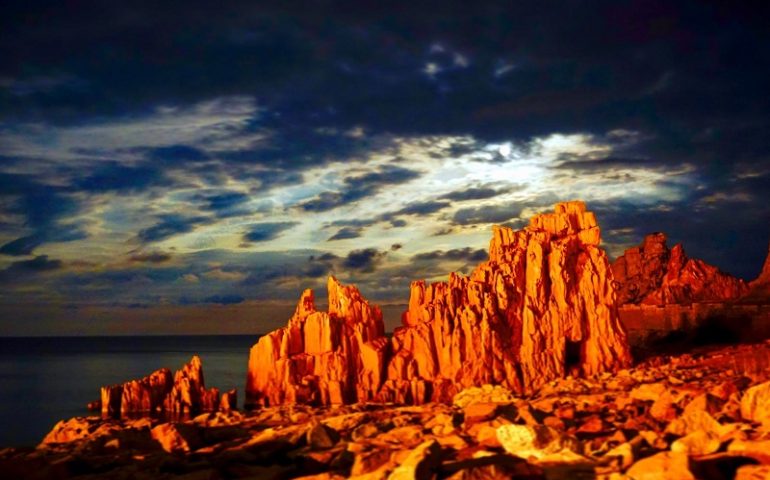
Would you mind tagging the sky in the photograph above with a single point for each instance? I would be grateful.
(191, 167)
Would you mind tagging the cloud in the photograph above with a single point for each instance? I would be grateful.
(19, 270)
(263, 232)
(119, 178)
(365, 260)
(150, 257)
(466, 254)
(346, 233)
(224, 299)
(169, 226)
(472, 193)
(484, 215)
(22, 245)
(358, 187)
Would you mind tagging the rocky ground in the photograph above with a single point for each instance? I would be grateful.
(701, 415)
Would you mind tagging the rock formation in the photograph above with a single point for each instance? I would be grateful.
(654, 275)
(543, 306)
(329, 357)
(184, 393)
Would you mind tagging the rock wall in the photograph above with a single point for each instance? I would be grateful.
(652, 274)
(541, 307)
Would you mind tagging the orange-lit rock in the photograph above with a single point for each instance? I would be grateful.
(184, 393)
(324, 358)
(147, 394)
(229, 401)
(189, 394)
(654, 275)
(543, 306)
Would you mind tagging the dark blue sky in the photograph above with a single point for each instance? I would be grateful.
(163, 164)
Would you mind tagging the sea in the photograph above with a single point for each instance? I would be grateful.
(47, 379)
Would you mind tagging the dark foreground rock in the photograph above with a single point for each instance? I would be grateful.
(701, 415)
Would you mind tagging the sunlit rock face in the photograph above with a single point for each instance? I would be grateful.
(653, 274)
(541, 307)
(184, 393)
(331, 357)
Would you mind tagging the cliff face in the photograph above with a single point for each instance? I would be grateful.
(328, 357)
(654, 275)
(542, 306)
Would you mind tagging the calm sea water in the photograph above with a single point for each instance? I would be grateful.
(44, 380)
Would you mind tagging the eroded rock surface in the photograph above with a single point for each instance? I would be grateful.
(653, 274)
(543, 306)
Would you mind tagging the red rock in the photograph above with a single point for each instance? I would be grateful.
(324, 358)
(184, 393)
(654, 275)
(189, 394)
(176, 437)
(146, 395)
(229, 401)
(543, 306)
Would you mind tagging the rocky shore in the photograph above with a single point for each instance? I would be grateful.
(520, 370)
(700, 415)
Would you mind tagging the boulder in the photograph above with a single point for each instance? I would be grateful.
(662, 466)
(755, 403)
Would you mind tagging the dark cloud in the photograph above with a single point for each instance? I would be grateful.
(150, 257)
(224, 299)
(486, 214)
(263, 232)
(22, 245)
(182, 154)
(346, 233)
(421, 208)
(466, 254)
(358, 187)
(472, 193)
(225, 204)
(25, 268)
(168, 226)
(365, 260)
(119, 178)
(396, 246)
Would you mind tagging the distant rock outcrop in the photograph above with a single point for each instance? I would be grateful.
(184, 393)
(543, 306)
(652, 274)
